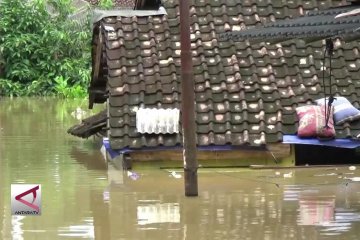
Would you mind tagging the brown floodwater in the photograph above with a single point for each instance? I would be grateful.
(83, 197)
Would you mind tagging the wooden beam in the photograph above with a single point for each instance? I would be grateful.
(98, 52)
(188, 103)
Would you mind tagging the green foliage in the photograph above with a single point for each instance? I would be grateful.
(39, 45)
(9, 88)
(65, 90)
(106, 4)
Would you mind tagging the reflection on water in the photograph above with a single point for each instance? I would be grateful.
(150, 213)
(83, 197)
(86, 230)
(315, 211)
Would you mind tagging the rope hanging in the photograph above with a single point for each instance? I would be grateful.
(329, 49)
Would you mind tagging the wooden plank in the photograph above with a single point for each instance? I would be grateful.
(97, 57)
(89, 126)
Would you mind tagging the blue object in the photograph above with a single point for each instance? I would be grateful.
(339, 142)
(108, 148)
(344, 111)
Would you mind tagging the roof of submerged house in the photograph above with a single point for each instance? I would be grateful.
(245, 93)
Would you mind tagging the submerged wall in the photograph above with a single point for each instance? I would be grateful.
(274, 154)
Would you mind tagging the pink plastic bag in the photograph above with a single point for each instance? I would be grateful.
(312, 122)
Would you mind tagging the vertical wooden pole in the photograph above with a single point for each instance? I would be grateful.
(188, 103)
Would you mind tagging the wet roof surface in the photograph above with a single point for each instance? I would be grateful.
(315, 24)
(245, 93)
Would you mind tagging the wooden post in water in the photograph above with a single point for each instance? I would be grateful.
(188, 103)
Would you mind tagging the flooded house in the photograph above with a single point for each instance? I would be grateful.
(246, 93)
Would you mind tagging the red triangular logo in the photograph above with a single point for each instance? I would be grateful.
(29, 204)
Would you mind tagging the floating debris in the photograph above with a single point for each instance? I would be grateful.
(288, 175)
(352, 168)
(79, 114)
(133, 175)
(106, 195)
(175, 175)
(327, 174)
(354, 179)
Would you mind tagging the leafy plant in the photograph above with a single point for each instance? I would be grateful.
(106, 4)
(63, 89)
(9, 88)
(39, 44)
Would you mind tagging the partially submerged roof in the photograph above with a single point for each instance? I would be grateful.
(314, 25)
(245, 94)
(90, 126)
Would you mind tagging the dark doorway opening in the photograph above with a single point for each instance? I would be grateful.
(147, 4)
(324, 155)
